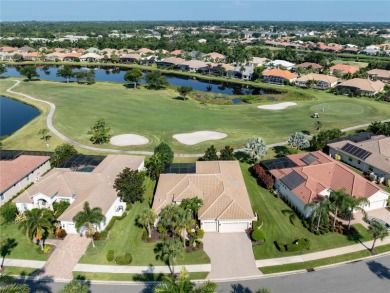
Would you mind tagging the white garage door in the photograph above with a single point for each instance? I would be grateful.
(209, 226)
(226, 227)
(376, 205)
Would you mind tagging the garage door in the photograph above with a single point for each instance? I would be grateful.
(225, 227)
(209, 226)
(376, 205)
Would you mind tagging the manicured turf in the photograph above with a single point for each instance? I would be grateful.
(24, 249)
(278, 227)
(20, 271)
(315, 263)
(134, 277)
(125, 236)
(158, 115)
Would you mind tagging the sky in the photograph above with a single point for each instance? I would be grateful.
(244, 10)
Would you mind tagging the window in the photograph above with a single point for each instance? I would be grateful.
(2, 196)
(359, 162)
(350, 159)
(370, 168)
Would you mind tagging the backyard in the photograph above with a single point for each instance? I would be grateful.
(158, 115)
(125, 236)
(277, 226)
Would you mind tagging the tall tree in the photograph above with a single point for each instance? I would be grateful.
(378, 231)
(355, 204)
(227, 154)
(319, 141)
(319, 211)
(165, 152)
(100, 132)
(156, 79)
(90, 219)
(181, 283)
(169, 251)
(210, 154)
(168, 217)
(183, 221)
(130, 185)
(36, 224)
(65, 72)
(29, 71)
(154, 166)
(147, 218)
(3, 69)
(44, 132)
(193, 204)
(62, 153)
(75, 286)
(184, 90)
(337, 199)
(298, 140)
(256, 148)
(6, 247)
(133, 75)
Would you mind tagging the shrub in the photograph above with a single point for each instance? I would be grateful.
(326, 230)
(317, 232)
(60, 233)
(113, 219)
(257, 224)
(39, 250)
(128, 207)
(200, 233)
(265, 179)
(46, 248)
(110, 255)
(9, 212)
(258, 235)
(124, 259)
(333, 229)
(103, 234)
(280, 246)
(60, 207)
(96, 236)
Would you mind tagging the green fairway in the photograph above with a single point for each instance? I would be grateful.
(125, 236)
(158, 115)
(277, 226)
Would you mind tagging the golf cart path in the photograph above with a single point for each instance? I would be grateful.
(51, 127)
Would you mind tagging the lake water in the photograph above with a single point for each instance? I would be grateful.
(116, 75)
(14, 114)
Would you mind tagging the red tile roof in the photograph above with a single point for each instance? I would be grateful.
(344, 68)
(280, 73)
(325, 173)
(14, 170)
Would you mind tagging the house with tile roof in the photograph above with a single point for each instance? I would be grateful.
(90, 57)
(322, 81)
(379, 74)
(20, 171)
(308, 65)
(370, 154)
(129, 58)
(343, 69)
(193, 65)
(220, 184)
(309, 177)
(170, 62)
(278, 76)
(365, 86)
(76, 187)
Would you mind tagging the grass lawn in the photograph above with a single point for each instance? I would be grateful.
(134, 277)
(125, 236)
(20, 271)
(24, 249)
(352, 63)
(158, 115)
(278, 227)
(315, 263)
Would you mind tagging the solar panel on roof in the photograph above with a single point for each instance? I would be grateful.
(293, 180)
(356, 151)
(309, 159)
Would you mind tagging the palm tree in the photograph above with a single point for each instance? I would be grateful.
(320, 210)
(378, 231)
(168, 216)
(36, 224)
(147, 218)
(169, 251)
(337, 199)
(90, 219)
(8, 285)
(355, 204)
(194, 204)
(182, 284)
(6, 247)
(183, 221)
(75, 286)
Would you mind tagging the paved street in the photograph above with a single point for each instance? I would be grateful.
(231, 255)
(371, 275)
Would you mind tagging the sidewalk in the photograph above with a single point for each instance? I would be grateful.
(320, 254)
(35, 264)
(139, 269)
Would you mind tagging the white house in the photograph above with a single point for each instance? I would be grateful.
(309, 177)
(226, 206)
(90, 57)
(20, 171)
(280, 63)
(96, 187)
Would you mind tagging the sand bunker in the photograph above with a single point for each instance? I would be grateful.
(198, 136)
(128, 139)
(279, 106)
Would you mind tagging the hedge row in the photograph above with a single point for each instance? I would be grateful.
(124, 259)
(113, 220)
(297, 245)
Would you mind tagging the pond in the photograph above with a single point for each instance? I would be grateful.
(14, 114)
(116, 75)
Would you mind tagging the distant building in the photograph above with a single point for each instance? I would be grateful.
(278, 76)
(365, 86)
(379, 74)
(322, 81)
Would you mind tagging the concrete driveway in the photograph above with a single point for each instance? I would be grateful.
(383, 214)
(231, 255)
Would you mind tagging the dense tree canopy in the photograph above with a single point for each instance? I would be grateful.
(130, 185)
(100, 132)
(62, 153)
